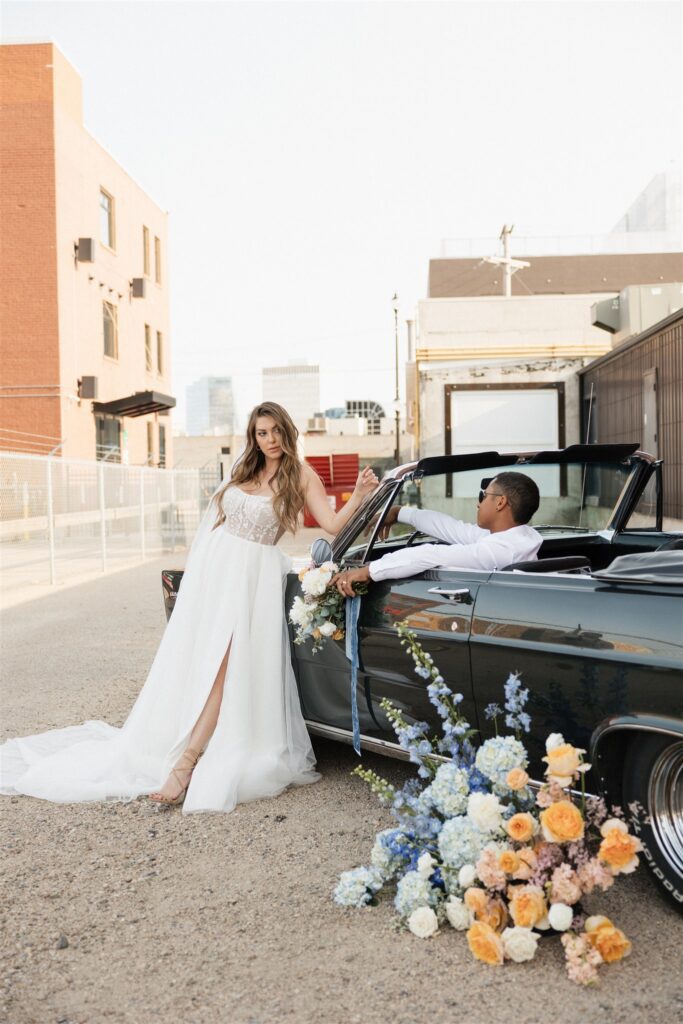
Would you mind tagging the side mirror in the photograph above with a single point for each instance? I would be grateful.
(321, 551)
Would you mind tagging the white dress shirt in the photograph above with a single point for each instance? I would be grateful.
(469, 547)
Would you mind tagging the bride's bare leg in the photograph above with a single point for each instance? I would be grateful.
(199, 737)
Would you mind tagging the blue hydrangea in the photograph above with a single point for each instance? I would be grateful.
(499, 755)
(450, 789)
(461, 842)
(356, 888)
(414, 891)
(387, 855)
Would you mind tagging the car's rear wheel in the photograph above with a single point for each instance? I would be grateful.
(653, 780)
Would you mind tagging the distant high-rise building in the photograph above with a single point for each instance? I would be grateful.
(296, 387)
(210, 406)
(367, 409)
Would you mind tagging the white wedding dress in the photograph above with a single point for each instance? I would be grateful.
(232, 589)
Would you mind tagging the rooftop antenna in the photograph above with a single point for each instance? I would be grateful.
(506, 261)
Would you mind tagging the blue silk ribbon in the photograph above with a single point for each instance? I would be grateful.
(352, 613)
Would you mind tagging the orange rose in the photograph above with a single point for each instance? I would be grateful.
(485, 944)
(516, 778)
(339, 635)
(475, 900)
(527, 865)
(562, 822)
(563, 764)
(527, 905)
(508, 861)
(619, 851)
(521, 827)
(610, 942)
(494, 914)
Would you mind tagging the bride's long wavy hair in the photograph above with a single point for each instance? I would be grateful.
(286, 483)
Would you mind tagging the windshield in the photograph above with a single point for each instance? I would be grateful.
(574, 497)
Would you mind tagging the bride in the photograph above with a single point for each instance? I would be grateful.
(218, 720)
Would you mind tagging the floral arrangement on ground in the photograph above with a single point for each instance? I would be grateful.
(320, 614)
(476, 847)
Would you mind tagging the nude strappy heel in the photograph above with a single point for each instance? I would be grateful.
(193, 756)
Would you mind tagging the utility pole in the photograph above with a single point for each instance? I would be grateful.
(397, 407)
(506, 261)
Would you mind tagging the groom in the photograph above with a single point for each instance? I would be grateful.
(502, 536)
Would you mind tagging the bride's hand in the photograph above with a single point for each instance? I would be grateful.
(366, 482)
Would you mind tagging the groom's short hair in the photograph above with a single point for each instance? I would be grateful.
(521, 492)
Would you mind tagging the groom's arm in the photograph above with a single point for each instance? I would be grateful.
(441, 526)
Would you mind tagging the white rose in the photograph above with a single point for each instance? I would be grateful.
(300, 613)
(425, 865)
(423, 922)
(611, 823)
(484, 810)
(519, 944)
(560, 916)
(467, 876)
(327, 628)
(315, 582)
(459, 916)
(556, 739)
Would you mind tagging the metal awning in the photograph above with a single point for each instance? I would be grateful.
(140, 404)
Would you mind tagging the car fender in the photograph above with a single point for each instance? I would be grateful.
(610, 740)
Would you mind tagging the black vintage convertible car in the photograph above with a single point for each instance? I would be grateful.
(595, 626)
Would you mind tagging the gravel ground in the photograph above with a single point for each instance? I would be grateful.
(126, 913)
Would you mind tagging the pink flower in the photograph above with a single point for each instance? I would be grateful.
(566, 887)
(488, 870)
(582, 961)
(594, 875)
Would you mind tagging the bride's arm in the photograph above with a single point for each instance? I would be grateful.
(319, 506)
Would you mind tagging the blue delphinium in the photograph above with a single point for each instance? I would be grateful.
(515, 701)
(430, 810)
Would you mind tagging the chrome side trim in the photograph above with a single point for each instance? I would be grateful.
(378, 746)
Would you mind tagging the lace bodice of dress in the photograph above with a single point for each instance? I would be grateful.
(250, 516)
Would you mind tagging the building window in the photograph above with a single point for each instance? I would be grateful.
(145, 251)
(162, 446)
(150, 443)
(157, 260)
(160, 354)
(148, 348)
(107, 235)
(111, 333)
(108, 438)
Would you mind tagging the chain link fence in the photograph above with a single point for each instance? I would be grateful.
(60, 518)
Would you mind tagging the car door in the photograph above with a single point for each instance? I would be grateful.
(586, 649)
(438, 606)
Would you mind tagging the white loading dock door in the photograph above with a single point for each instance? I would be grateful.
(508, 420)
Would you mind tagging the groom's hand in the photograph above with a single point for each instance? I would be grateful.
(344, 581)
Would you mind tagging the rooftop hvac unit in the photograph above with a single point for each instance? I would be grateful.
(138, 287)
(606, 314)
(85, 250)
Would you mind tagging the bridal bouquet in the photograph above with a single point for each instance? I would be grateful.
(320, 614)
(476, 847)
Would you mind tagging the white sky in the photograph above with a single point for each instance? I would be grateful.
(313, 155)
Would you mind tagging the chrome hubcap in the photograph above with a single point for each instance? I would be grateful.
(665, 794)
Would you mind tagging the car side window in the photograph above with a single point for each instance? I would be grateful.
(644, 515)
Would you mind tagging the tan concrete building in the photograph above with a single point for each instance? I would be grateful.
(84, 322)
(497, 372)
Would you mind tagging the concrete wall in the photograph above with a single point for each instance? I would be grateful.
(487, 341)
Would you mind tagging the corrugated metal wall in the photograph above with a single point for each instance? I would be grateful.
(618, 395)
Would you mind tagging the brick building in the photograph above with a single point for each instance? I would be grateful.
(84, 324)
